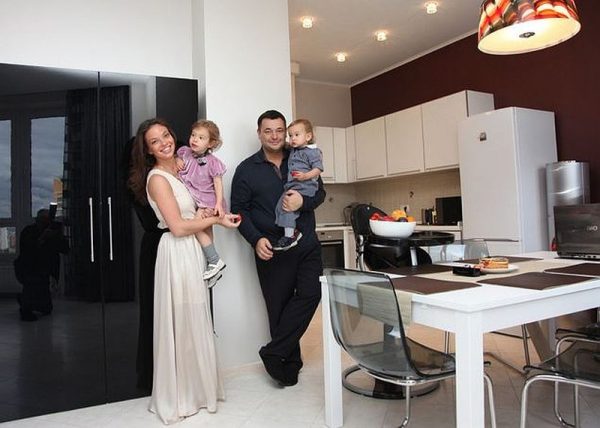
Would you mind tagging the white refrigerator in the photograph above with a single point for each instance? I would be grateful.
(503, 156)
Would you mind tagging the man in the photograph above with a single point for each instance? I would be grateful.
(289, 279)
(40, 246)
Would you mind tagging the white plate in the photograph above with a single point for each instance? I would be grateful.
(509, 269)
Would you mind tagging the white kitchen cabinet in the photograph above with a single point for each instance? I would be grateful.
(350, 155)
(370, 149)
(440, 125)
(404, 141)
(349, 249)
(332, 142)
(324, 139)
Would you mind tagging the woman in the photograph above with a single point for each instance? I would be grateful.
(185, 375)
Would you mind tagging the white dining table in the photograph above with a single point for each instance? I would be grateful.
(468, 313)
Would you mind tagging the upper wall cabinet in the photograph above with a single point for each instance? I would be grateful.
(370, 149)
(332, 142)
(404, 141)
(440, 125)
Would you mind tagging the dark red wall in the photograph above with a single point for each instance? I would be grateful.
(564, 79)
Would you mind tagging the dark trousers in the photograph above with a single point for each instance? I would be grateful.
(291, 289)
(36, 294)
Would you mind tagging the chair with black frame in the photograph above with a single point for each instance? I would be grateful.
(376, 253)
(578, 365)
(367, 323)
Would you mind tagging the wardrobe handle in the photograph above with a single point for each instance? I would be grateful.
(110, 231)
(90, 203)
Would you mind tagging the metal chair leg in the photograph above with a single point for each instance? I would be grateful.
(407, 406)
(490, 389)
(525, 345)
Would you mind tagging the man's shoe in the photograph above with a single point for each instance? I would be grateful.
(213, 269)
(28, 316)
(285, 242)
(275, 368)
(291, 370)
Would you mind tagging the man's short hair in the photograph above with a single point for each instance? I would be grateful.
(270, 114)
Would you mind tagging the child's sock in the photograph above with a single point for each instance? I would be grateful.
(212, 257)
(288, 232)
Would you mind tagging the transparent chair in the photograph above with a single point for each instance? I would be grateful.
(367, 324)
(578, 365)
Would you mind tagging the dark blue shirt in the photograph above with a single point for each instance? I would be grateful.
(256, 187)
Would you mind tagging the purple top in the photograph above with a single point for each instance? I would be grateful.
(198, 175)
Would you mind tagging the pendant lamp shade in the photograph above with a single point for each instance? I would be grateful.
(519, 26)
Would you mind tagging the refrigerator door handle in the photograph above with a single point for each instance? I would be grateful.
(91, 203)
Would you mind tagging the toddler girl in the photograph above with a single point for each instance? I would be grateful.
(202, 172)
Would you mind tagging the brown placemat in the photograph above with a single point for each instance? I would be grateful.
(417, 284)
(417, 270)
(511, 259)
(591, 269)
(535, 280)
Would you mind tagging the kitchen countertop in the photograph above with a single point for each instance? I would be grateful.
(321, 227)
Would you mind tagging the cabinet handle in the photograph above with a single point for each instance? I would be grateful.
(110, 229)
(90, 203)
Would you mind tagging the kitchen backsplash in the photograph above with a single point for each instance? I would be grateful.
(418, 191)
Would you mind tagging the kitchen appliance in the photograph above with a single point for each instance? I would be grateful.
(567, 183)
(503, 156)
(578, 231)
(332, 248)
(448, 210)
(428, 215)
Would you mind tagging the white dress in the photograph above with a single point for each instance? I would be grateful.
(186, 377)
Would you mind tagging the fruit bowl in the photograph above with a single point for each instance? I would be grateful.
(392, 229)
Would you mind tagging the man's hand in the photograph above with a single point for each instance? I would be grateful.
(264, 249)
(292, 201)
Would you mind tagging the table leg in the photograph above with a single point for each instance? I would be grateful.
(332, 367)
(469, 371)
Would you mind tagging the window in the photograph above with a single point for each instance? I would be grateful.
(5, 169)
(47, 151)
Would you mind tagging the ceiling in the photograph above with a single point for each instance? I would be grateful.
(350, 25)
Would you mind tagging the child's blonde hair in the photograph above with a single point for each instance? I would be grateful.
(214, 134)
(307, 127)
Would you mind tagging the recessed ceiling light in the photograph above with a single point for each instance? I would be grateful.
(340, 56)
(431, 7)
(307, 21)
(381, 36)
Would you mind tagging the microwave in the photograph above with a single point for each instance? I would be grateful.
(448, 210)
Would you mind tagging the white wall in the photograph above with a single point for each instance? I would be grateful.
(134, 36)
(246, 70)
(243, 66)
(323, 104)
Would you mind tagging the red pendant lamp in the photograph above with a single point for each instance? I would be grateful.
(519, 26)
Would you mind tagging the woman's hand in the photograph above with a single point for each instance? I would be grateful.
(264, 249)
(205, 213)
(180, 164)
(230, 220)
(292, 201)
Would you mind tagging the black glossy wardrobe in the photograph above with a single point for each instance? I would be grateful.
(63, 137)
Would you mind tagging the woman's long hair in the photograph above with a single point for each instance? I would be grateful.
(141, 161)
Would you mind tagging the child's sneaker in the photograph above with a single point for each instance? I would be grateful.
(213, 281)
(285, 242)
(213, 269)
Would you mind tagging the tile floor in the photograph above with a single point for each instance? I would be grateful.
(253, 400)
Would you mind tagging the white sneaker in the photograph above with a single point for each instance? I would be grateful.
(213, 281)
(213, 269)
